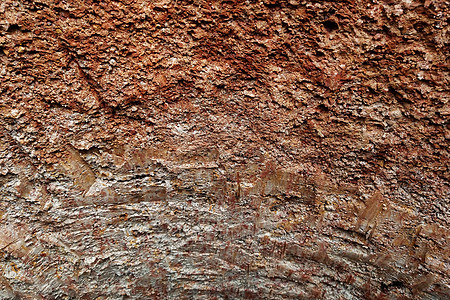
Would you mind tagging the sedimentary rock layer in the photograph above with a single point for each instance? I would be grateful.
(224, 149)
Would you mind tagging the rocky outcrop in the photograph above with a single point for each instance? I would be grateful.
(224, 149)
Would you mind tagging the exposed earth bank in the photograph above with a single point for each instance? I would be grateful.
(224, 149)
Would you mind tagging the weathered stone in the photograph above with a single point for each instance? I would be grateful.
(224, 150)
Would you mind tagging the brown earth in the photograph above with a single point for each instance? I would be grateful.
(199, 149)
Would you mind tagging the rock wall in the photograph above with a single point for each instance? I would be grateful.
(177, 149)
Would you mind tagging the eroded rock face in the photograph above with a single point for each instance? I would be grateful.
(224, 149)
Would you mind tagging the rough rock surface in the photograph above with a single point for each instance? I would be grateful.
(271, 149)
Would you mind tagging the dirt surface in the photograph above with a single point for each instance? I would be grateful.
(224, 149)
